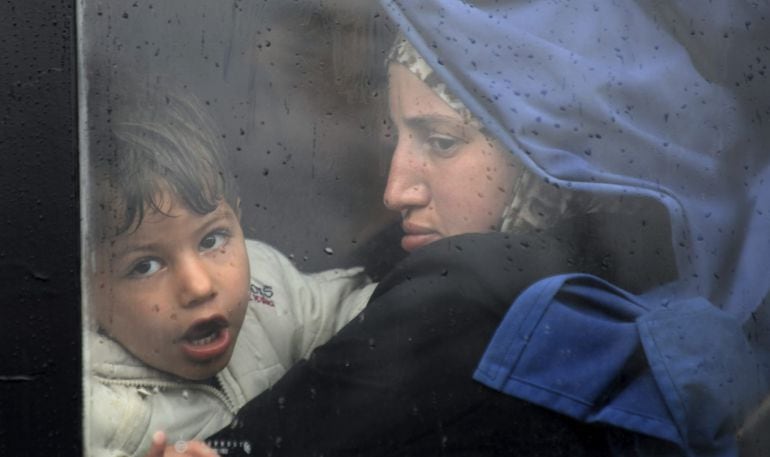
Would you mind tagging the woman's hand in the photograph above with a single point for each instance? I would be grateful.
(159, 448)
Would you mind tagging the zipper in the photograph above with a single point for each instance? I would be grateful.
(223, 391)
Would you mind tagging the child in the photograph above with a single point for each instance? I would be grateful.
(190, 320)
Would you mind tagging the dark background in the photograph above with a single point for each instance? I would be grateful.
(40, 362)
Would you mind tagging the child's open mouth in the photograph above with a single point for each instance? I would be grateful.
(206, 339)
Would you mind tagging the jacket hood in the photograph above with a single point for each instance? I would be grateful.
(664, 102)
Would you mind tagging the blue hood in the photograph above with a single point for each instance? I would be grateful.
(664, 100)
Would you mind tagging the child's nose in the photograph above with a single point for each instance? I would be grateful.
(196, 285)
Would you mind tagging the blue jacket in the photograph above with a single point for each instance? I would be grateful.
(683, 372)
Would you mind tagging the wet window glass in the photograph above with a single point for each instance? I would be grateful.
(425, 227)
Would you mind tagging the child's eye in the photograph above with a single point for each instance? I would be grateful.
(145, 268)
(214, 240)
(442, 145)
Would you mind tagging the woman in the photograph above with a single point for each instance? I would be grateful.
(623, 169)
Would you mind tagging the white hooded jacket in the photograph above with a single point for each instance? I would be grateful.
(289, 314)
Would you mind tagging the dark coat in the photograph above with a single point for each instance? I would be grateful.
(398, 379)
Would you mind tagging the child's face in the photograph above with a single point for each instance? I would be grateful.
(174, 292)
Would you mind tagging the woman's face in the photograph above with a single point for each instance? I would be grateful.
(446, 176)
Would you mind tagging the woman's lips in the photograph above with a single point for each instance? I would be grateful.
(416, 236)
(206, 339)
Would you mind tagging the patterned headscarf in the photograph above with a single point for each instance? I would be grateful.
(405, 54)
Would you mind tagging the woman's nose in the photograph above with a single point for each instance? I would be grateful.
(408, 179)
(195, 281)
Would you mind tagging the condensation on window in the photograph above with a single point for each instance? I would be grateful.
(424, 227)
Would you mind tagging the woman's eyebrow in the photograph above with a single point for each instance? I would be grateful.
(428, 121)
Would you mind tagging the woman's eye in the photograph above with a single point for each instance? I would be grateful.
(145, 268)
(214, 240)
(443, 145)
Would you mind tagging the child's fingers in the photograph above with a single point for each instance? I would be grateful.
(190, 449)
(159, 448)
(158, 445)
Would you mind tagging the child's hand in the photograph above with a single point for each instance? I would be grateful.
(182, 448)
